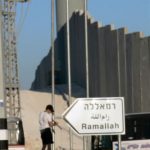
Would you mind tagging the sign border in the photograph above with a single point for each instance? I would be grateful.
(101, 98)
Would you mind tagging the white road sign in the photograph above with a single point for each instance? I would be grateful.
(91, 116)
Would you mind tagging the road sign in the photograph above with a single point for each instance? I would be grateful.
(102, 116)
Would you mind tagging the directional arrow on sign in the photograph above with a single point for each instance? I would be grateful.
(91, 116)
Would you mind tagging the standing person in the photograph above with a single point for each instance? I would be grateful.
(46, 123)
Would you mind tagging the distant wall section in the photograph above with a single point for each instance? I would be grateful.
(119, 62)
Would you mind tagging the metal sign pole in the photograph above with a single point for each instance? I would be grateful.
(53, 61)
(69, 69)
(119, 142)
(85, 139)
(119, 83)
(86, 50)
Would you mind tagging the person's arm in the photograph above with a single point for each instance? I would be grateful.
(52, 123)
(40, 118)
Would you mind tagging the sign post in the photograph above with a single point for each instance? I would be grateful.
(97, 116)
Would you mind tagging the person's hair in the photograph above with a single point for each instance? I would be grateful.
(50, 107)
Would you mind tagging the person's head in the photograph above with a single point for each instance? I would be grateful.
(50, 108)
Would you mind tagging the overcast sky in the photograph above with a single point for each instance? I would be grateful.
(34, 20)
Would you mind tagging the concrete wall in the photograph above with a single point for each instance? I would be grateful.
(119, 62)
(61, 10)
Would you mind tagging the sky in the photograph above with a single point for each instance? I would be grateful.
(33, 28)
